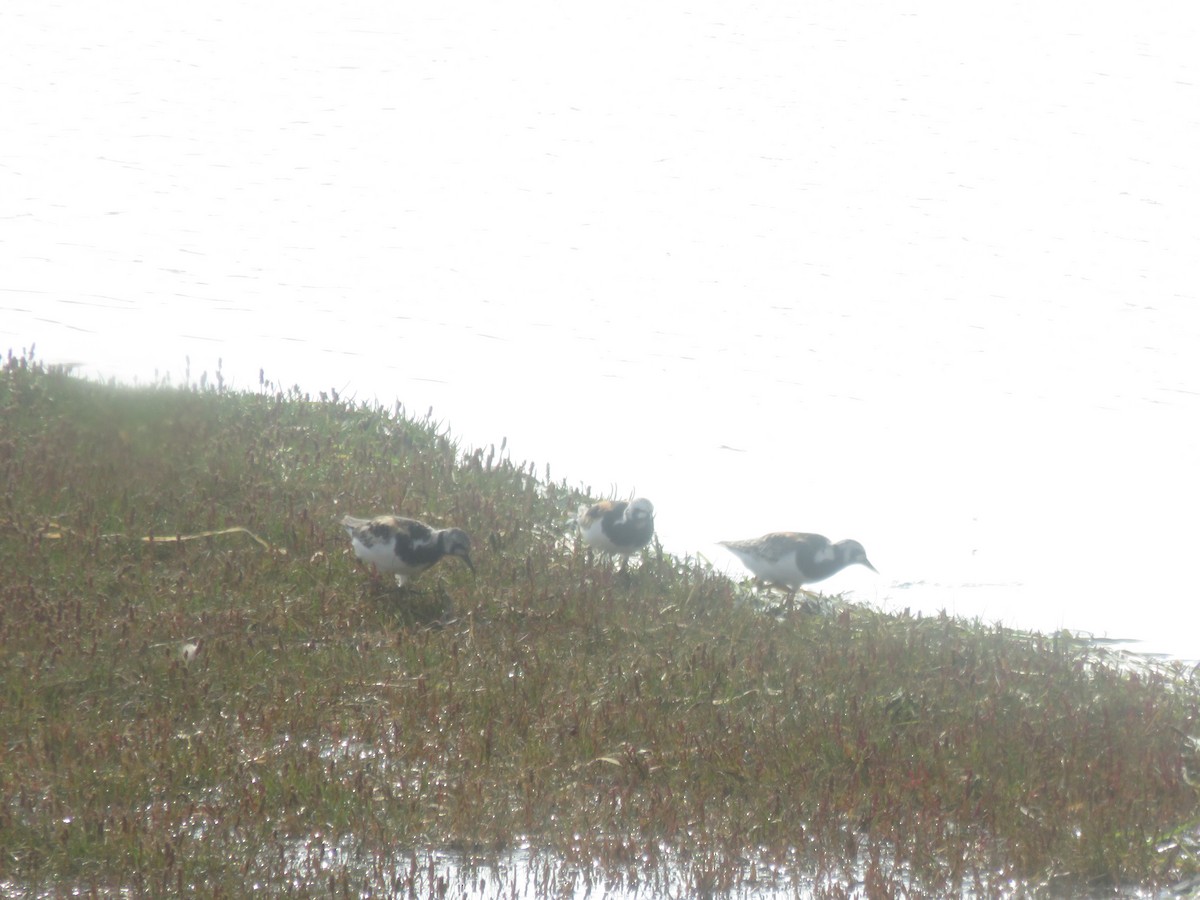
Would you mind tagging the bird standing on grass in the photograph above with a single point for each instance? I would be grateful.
(789, 559)
(617, 527)
(405, 548)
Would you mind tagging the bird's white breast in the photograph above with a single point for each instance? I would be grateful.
(782, 570)
(593, 535)
(382, 555)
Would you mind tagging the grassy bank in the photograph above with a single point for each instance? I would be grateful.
(184, 704)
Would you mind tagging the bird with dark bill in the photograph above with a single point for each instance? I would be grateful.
(789, 559)
(404, 548)
(616, 526)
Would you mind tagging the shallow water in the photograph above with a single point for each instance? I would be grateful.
(915, 276)
(532, 874)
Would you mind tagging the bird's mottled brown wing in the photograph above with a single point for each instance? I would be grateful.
(602, 510)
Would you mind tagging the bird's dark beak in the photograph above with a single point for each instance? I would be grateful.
(465, 557)
(869, 566)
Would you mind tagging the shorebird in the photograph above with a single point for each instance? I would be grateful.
(617, 527)
(789, 559)
(403, 547)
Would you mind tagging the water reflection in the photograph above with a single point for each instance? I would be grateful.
(539, 875)
(528, 873)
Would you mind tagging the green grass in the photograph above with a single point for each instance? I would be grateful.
(223, 710)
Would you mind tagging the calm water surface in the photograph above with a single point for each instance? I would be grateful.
(924, 275)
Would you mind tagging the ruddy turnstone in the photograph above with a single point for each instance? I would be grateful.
(788, 559)
(405, 547)
(614, 526)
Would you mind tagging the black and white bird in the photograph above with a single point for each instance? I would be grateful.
(789, 559)
(617, 526)
(404, 547)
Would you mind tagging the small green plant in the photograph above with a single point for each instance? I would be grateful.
(201, 688)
